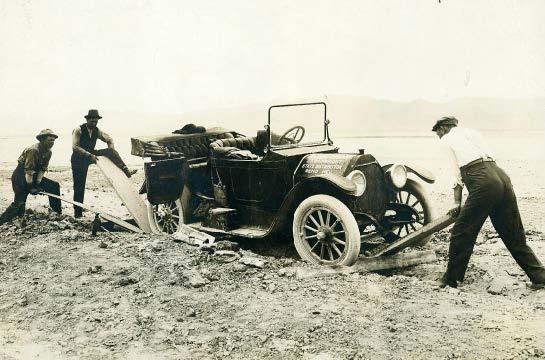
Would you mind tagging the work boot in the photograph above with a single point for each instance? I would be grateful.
(57, 209)
(537, 286)
(538, 283)
(129, 172)
(444, 281)
(14, 210)
(8, 215)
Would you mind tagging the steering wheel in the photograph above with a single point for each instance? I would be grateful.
(293, 135)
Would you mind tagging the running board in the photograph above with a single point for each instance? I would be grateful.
(242, 231)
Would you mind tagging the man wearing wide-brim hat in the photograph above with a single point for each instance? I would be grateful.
(490, 195)
(28, 176)
(84, 139)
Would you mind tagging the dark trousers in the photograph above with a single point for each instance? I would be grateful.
(80, 165)
(490, 194)
(20, 188)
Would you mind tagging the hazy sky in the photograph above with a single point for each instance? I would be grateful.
(63, 57)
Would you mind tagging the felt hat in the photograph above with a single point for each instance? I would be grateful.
(445, 120)
(93, 114)
(46, 132)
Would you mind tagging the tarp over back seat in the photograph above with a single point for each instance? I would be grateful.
(190, 145)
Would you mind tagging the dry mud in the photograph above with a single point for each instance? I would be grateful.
(65, 294)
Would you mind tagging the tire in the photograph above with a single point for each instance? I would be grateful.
(414, 193)
(169, 217)
(325, 231)
(166, 218)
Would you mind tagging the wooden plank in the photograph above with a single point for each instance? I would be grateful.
(413, 238)
(375, 263)
(101, 213)
(128, 195)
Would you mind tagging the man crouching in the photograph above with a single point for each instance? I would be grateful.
(28, 177)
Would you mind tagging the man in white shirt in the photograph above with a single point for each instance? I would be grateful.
(490, 194)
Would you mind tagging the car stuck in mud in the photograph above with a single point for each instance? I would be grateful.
(287, 178)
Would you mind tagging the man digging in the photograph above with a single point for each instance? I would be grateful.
(28, 176)
(490, 194)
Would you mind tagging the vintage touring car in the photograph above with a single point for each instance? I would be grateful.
(224, 183)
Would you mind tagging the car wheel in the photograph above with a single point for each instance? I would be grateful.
(167, 217)
(325, 231)
(414, 195)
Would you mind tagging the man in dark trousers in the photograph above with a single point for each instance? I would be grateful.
(490, 194)
(28, 176)
(84, 139)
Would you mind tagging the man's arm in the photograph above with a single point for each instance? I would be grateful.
(457, 201)
(44, 165)
(29, 178)
(457, 184)
(31, 160)
(39, 176)
(106, 138)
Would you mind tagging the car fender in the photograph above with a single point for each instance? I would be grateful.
(419, 171)
(330, 184)
(329, 179)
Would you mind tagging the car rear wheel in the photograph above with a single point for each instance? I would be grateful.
(169, 217)
(326, 232)
(415, 196)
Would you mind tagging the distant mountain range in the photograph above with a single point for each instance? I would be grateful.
(356, 116)
(350, 116)
(354, 113)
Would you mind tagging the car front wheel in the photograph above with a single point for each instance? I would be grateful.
(418, 212)
(326, 232)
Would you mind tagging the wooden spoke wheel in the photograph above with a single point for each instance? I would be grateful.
(166, 217)
(419, 210)
(325, 231)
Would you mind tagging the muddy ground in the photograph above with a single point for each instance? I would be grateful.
(65, 294)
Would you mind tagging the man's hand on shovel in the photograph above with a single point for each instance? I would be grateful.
(455, 211)
(35, 190)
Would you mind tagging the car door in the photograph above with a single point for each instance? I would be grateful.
(256, 183)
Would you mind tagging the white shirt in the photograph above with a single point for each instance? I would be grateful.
(463, 146)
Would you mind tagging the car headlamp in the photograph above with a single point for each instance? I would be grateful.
(398, 175)
(359, 180)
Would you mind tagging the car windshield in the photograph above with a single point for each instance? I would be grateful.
(297, 125)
